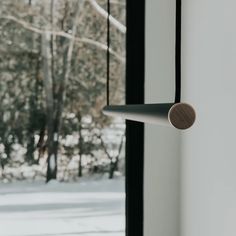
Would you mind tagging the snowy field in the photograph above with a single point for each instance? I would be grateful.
(90, 208)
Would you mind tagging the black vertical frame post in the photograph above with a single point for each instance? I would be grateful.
(135, 73)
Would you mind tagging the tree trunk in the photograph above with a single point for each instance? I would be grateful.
(30, 148)
(48, 85)
(114, 165)
(61, 93)
(55, 109)
(80, 171)
(113, 168)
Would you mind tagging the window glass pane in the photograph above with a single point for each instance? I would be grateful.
(62, 161)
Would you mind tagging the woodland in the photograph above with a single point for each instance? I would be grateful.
(53, 71)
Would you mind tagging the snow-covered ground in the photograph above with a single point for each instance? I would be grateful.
(89, 207)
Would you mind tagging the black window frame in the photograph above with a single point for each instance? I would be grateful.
(135, 84)
(135, 74)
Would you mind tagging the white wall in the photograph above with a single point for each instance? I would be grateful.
(209, 148)
(162, 160)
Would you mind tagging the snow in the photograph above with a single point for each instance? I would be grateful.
(52, 162)
(88, 207)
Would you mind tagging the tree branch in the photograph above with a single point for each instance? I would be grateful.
(102, 12)
(120, 146)
(92, 42)
(105, 148)
(117, 2)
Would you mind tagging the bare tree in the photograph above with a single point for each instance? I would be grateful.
(52, 63)
(114, 160)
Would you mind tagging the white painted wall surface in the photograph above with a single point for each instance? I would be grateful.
(207, 165)
(162, 159)
(209, 148)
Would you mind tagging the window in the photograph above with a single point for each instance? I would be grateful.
(52, 91)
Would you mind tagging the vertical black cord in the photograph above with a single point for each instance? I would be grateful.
(108, 52)
(178, 53)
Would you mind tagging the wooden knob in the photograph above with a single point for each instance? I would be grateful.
(182, 115)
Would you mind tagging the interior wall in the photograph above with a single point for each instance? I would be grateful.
(208, 153)
(208, 149)
(162, 144)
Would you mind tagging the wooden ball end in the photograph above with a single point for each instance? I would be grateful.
(182, 116)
